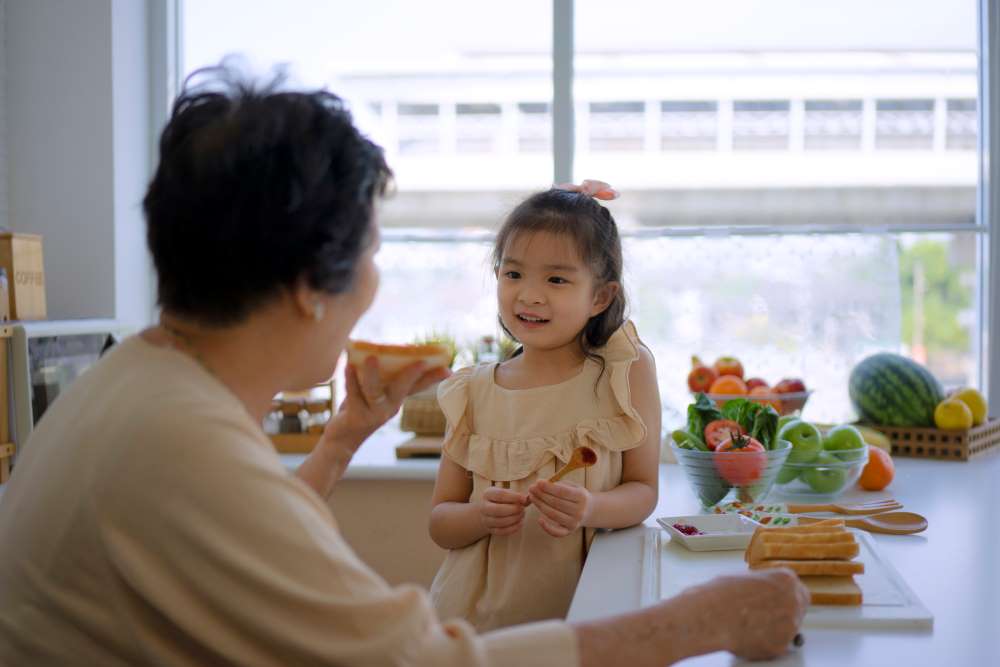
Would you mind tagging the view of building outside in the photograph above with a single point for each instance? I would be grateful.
(799, 179)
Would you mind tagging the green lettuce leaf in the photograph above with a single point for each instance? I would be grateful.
(700, 413)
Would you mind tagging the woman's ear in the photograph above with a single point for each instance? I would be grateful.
(306, 301)
(603, 296)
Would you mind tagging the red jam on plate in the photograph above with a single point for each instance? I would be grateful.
(686, 529)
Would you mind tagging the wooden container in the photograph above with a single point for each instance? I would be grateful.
(294, 443)
(950, 445)
(422, 414)
(21, 255)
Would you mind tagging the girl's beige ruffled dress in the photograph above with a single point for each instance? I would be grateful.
(511, 438)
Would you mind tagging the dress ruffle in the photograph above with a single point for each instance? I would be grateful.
(504, 460)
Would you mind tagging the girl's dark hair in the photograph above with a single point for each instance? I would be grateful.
(593, 229)
(255, 189)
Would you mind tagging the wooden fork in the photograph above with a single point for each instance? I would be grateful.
(874, 507)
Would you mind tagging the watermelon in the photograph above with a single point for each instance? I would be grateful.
(893, 390)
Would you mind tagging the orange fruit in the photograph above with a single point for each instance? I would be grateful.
(729, 385)
(764, 396)
(728, 366)
(879, 470)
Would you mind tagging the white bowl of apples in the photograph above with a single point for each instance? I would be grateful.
(724, 381)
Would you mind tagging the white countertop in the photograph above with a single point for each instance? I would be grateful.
(952, 567)
(376, 459)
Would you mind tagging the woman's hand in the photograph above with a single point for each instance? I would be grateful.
(753, 615)
(502, 510)
(369, 403)
(761, 611)
(564, 507)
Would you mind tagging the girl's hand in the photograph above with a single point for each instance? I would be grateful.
(502, 510)
(564, 507)
(370, 403)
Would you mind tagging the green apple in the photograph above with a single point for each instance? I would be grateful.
(785, 419)
(787, 474)
(807, 443)
(846, 442)
(825, 479)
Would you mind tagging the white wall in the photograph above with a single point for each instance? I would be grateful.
(77, 128)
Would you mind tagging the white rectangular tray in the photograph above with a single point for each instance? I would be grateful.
(888, 601)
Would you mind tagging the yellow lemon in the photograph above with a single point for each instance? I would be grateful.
(975, 401)
(952, 413)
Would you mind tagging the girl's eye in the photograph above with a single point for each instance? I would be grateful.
(513, 275)
(558, 281)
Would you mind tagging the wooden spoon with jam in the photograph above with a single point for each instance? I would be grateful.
(583, 457)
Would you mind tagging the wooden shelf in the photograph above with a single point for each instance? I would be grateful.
(6, 452)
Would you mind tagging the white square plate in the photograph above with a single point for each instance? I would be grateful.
(722, 532)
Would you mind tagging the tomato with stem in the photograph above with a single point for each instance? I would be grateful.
(740, 459)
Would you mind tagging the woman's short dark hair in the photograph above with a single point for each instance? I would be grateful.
(257, 188)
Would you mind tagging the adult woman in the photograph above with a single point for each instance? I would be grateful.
(150, 521)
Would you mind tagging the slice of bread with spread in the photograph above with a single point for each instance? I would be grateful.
(394, 358)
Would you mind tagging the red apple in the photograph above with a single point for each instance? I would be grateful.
(753, 383)
(790, 386)
(728, 366)
(701, 378)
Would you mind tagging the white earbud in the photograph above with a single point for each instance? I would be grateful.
(319, 310)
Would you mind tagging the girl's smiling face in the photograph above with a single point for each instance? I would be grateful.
(545, 291)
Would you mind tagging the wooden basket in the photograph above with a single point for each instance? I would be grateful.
(422, 414)
(950, 445)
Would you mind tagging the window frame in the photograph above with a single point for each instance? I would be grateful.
(988, 208)
(167, 67)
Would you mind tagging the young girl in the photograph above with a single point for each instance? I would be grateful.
(582, 377)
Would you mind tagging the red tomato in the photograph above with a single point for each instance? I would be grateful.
(743, 461)
(721, 430)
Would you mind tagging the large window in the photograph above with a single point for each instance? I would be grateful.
(796, 197)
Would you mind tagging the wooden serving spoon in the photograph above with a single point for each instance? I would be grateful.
(874, 507)
(583, 457)
(890, 523)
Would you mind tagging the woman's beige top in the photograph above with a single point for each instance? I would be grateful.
(150, 521)
(511, 438)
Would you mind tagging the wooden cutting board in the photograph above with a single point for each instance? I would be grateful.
(420, 446)
(887, 601)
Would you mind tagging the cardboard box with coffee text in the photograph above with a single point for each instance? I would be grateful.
(21, 256)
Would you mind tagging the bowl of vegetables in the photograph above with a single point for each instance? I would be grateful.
(732, 453)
